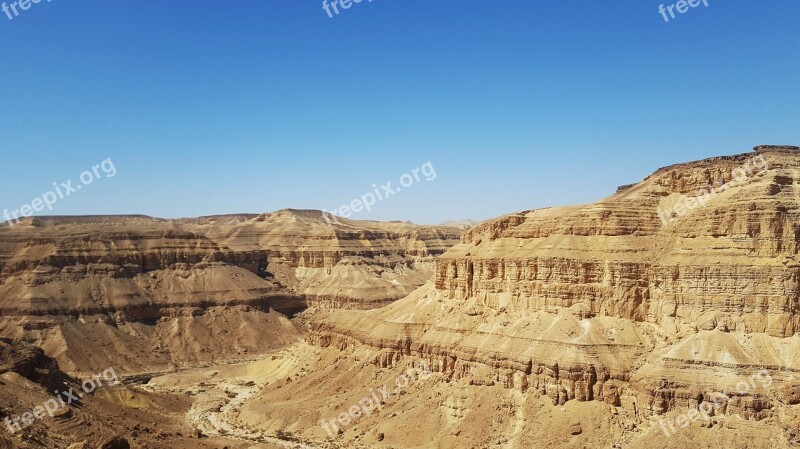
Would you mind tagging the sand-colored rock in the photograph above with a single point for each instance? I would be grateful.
(28, 379)
(147, 294)
(610, 325)
(608, 304)
(338, 263)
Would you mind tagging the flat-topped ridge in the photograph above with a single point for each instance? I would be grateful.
(776, 149)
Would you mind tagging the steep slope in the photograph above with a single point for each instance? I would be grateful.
(121, 264)
(728, 262)
(339, 263)
(92, 412)
(147, 294)
(628, 315)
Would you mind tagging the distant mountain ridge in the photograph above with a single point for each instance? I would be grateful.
(185, 279)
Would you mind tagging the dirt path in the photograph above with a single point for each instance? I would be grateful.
(221, 391)
(214, 413)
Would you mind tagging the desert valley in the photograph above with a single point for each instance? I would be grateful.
(665, 315)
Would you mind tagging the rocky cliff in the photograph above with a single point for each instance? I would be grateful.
(339, 263)
(94, 414)
(656, 301)
(711, 244)
(145, 294)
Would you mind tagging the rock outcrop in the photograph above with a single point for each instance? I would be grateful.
(726, 260)
(32, 416)
(662, 298)
(339, 263)
(145, 294)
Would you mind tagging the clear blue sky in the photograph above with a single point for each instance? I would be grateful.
(209, 107)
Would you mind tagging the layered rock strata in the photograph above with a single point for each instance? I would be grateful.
(339, 263)
(659, 299)
(148, 294)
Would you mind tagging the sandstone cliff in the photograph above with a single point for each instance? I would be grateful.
(147, 294)
(338, 263)
(652, 302)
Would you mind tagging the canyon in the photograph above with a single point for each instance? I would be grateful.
(598, 325)
(145, 294)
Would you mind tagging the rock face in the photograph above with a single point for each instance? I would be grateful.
(677, 293)
(31, 363)
(30, 381)
(728, 263)
(116, 442)
(85, 265)
(143, 293)
(339, 263)
(665, 315)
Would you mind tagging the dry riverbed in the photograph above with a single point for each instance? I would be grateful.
(220, 391)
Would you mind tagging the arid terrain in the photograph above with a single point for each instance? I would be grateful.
(663, 316)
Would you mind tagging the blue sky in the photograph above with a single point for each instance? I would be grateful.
(250, 106)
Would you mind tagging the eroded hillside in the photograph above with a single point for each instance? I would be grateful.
(665, 315)
(146, 294)
(601, 325)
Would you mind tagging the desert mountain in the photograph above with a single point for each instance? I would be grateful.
(147, 294)
(461, 224)
(665, 315)
(600, 325)
(338, 263)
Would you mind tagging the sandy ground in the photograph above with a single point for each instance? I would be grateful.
(220, 392)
